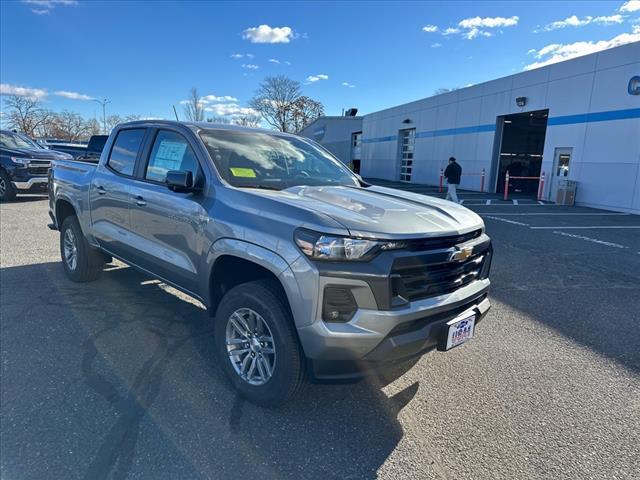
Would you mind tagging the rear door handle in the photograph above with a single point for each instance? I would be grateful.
(101, 190)
(140, 201)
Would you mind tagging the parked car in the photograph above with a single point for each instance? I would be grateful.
(87, 152)
(24, 165)
(306, 269)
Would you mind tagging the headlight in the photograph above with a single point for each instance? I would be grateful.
(318, 246)
(21, 160)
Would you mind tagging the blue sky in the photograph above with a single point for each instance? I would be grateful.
(145, 56)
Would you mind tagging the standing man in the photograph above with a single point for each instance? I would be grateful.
(453, 172)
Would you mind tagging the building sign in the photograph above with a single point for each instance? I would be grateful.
(634, 85)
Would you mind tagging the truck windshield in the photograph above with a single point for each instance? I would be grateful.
(263, 160)
(13, 140)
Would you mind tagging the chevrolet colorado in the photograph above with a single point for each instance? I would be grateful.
(307, 270)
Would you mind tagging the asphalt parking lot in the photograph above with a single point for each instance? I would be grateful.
(115, 378)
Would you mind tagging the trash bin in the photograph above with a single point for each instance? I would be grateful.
(566, 192)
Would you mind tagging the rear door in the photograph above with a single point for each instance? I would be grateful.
(109, 193)
(169, 227)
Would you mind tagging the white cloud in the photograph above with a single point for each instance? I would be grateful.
(287, 62)
(436, 45)
(43, 7)
(274, 60)
(347, 84)
(556, 52)
(315, 78)
(267, 34)
(430, 28)
(630, 6)
(450, 31)
(72, 95)
(35, 93)
(609, 20)
(574, 21)
(531, 51)
(488, 22)
(214, 98)
(476, 32)
(250, 66)
(229, 110)
(636, 29)
(242, 55)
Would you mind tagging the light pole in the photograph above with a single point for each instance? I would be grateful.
(103, 102)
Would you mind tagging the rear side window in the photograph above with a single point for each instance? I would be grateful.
(125, 150)
(171, 151)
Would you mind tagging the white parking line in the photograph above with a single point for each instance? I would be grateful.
(586, 228)
(512, 222)
(461, 201)
(592, 240)
(540, 202)
(515, 202)
(488, 202)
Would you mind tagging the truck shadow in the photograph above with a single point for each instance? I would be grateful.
(130, 366)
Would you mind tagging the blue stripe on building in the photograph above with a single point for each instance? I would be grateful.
(563, 120)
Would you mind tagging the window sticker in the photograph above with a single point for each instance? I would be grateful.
(169, 155)
(243, 172)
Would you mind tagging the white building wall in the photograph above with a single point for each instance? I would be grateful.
(606, 151)
(334, 134)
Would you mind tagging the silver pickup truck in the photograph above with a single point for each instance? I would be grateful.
(308, 271)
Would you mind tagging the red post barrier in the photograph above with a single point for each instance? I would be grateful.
(506, 185)
(541, 187)
(441, 176)
(482, 181)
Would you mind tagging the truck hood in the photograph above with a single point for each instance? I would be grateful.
(380, 212)
(36, 154)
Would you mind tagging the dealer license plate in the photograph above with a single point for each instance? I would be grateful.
(460, 331)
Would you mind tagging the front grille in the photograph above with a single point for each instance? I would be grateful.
(39, 168)
(425, 276)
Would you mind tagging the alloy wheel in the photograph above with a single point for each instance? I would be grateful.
(250, 346)
(70, 249)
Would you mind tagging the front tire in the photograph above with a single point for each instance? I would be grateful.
(257, 344)
(81, 262)
(7, 192)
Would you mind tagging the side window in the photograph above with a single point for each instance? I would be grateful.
(125, 150)
(171, 151)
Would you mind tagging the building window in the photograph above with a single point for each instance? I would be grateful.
(407, 145)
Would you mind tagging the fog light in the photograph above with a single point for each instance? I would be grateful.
(338, 304)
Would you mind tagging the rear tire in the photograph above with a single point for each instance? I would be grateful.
(259, 305)
(7, 192)
(81, 262)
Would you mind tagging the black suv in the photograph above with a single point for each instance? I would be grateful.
(24, 165)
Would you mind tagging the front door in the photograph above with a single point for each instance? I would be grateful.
(168, 226)
(407, 147)
(561, 165)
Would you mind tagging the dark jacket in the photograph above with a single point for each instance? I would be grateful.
(453, 173)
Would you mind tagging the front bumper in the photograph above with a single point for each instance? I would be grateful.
(374, 338)
(31, 183)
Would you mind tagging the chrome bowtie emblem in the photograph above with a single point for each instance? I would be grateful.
(461, 254)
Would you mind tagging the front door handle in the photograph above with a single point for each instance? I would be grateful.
(140, 201)
(101, 190)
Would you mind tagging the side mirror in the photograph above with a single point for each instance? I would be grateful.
(180, 181)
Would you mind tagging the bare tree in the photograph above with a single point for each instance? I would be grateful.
(274, 101)
(70, 126)
(247, 121)
(25, 114)
(305, 110)
(112, 121)
(194, 108)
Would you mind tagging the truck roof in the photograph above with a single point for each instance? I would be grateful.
(202, 126)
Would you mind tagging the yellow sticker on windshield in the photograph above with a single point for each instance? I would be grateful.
(243, 172)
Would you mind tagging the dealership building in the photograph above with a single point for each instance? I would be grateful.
(577, 120)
